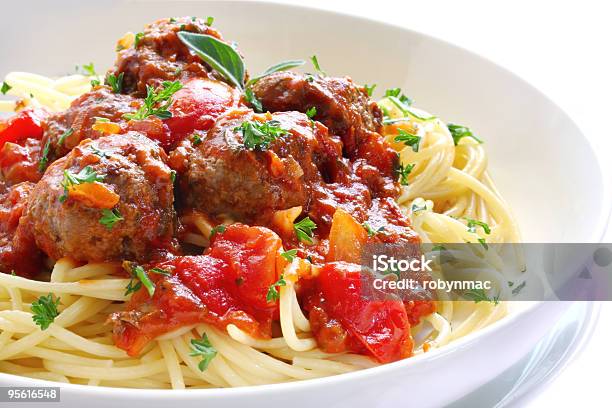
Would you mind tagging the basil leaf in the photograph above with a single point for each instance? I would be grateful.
(281, 66)
(220, 56)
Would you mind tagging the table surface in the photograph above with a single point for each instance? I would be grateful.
(563, 49)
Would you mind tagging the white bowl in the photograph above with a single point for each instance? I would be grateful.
(543, 164)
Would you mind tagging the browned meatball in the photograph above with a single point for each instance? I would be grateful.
(109, 199)
(64, 130)
(341, 105)
(159, 55)
(224, 176)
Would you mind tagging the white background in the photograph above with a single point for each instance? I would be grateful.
(563, 48)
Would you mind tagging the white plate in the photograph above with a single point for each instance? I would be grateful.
(542, 163)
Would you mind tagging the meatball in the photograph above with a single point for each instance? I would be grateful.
(109, 199)
(159, 55)
(18, 251)
(226, 175)
(64, 130)
(340, 105)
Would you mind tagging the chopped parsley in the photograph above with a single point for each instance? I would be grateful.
(458, 132)
(303, 229)
(203, 348)
(369, 89)
(89, 69)
(139, 279)
(44, 158)
(160, 271)
(44, 310)
(110, 217)
(317, 67)
(172, 176)
(479, 295)
(250, 97)
(95, 82)
(397, 93)
(403, 173)
(371, 231)
(100, 153)
(209, 21)
(5, 88)
(408, 139)
(86, 175)
(196, 139)
(311, 112)
(137, 39)
(518, 287)
(417, 207)
(257, 135)
(115, 82)
(156, 103)
(438, 247)
(289, 255)
(273, 293)
(473, 224)
(219, 229)
(64, 135)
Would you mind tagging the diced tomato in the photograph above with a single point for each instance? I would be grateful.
(226, 285)
(198, 104)
(25, 124)
(376, 327)
(20, 161)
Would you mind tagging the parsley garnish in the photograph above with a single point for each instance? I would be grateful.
(196, 139)
(87, 175)
(281, 66)
(5, 88)
(518, 288)
(369, 89)
(311, 112)
(397, 93)
(250, 97)
(317, 67)
(479, 295)
(459, 132)
(289, 255)
(438, 247)
(110, 217)
(95, 82)
(472, 224)
(257, 135)
(100, 153)
(44, 310)
(64, 135)
(218, 229)
(408, 139)
(160, 271)
(44, 159)
(156, 102)
(140, 276)
(416, 207)
(202, 347)
(303, 229)
(371, 231)
(89, 69)
(403, 173)
(273, 293)
(209, 21)
(172, 176)
(115, 82)
(137, 39)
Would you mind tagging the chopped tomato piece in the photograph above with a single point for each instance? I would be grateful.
(226, 285)
(21, 161)
(25, 124)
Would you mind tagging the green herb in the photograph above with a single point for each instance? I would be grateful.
(408, 139)
(172, 176)
(156, 103)
(416, 207)
(44, 311)
(86, 175)
(110, 217)
(250, 97)
(220, 56)
(403, 173)
(472, 224)
(137, 39)
(5, 88)
(311, 112)
(133, 286)
(309, 78)
(64, 135)
(100, 153)
(273, 293)
(89, 69)
(139, 273)
(438, 248)
(115, 82)
(101, 120)
(369, 89)
(518, 288)
(458, 132)
(303, 229)
(196, 139)
(281, 66)
(172, 20)
(484, 244)
(203, 348)
(219, 229)
(397, 93)
(44, 159)
(371, 231)
(479, 295)
(209, 21)
(317, 67)
(289, 255)
(160, 271)
(257, 135)
(94, 83)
